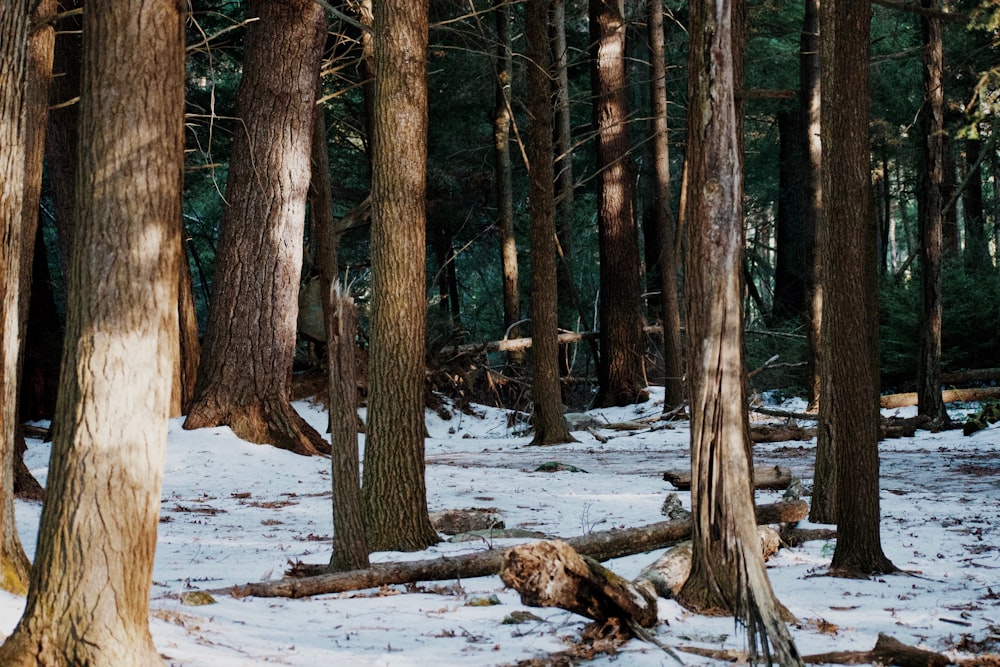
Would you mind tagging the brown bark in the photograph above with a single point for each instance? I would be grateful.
(621, 375)
(502, 114)
(600, 545)
(186, 372)
(809, 100)
(88, 602)
(14, 27)
(887, 651)
(931, 205)
(727, 572)
(395, 493)
(553, 574)
(673, 354)
(849, 409)
(546, 392)
(246, 361)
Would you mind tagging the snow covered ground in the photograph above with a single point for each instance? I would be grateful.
(234, 513)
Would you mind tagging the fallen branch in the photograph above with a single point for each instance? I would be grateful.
(887, 651)
(764, 477)
(891, 401)
(602, 545)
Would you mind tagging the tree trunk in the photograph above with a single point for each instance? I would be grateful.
(88, 602)
(977, 246)
(395, 492)
(931, 204)
(246, 361)
(621, 375)
(186, 373)
(546, 393)
(503, 66)
(792, 266)
(727, 567)
(14, 26)
(673, 360)
(849, 409)
(809, 99)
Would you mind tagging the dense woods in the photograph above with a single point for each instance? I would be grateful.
(822, 184)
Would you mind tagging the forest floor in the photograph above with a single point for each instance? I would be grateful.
(234, 513)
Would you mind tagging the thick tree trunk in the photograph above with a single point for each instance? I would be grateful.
(395, 491)
(88, 602)
(14, 26)
(670, 311)
(621, 375)
(849, 409)
(502, 114)
(599, 545)
(727, 571)
(931, 204)
(246, 361)
(546, 393)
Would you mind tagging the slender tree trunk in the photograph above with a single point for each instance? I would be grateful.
(564, 186)
(849, 410)
(504, 69)
(14, 26)
(977, 246)
(395, 491)
(246, 361)
(670, 311)
(550, 424)
(950, 237)
(621, 376)
(792, 266)
(727, 571)
(186, 373)
(931, 204)
(809, 99)
(88, 603)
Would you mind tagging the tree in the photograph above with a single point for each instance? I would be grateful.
(14, 24)
(931, 214)
(550, 424)
(394, 489)
(849, 409)
(621, 375)
(727, 570)
(88, 602)
(246, 361)
(673, 365)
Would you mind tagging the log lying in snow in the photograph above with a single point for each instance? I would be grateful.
(764, 477)
(771, 433)
(891, 401)
(553, 574)
(602, 545)
(887, 651)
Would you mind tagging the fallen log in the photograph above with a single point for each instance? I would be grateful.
(887, 651)
(772, 433)
(764, 477)
(601, 545)
(892, 401)
(552, 574)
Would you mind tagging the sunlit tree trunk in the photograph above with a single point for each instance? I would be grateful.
(14, 25)
(621, 375)
(849, 408)
(670, 312)
(809, 100)
(727, 569)
(394, 489)
(88, 602)
(246, 362)
(550, 424)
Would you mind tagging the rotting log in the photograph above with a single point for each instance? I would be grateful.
(601, 545)
(552, 574)
(764, 477)
(773, 433)
(892, 401)
(887, 651)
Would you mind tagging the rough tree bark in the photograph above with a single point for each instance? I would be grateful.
(88, 602)
(809, 100)
(727, 573)
(931, 214)
(14, 26)
(546, 393)
(849, 409)
(246, 362)
(395, 491)
(620, 372)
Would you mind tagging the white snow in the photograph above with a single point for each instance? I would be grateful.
(235, 512)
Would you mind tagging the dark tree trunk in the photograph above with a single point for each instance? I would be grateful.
(727, 572)
(186, 372)
(849, 409)
(246, 362)
(502, 111)
(977, 247)
(621, 376)
(931, 204)
(550, 424)
(792, 268)
(395, 491)
(950, 237)
(88, 602)
(666, 226)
